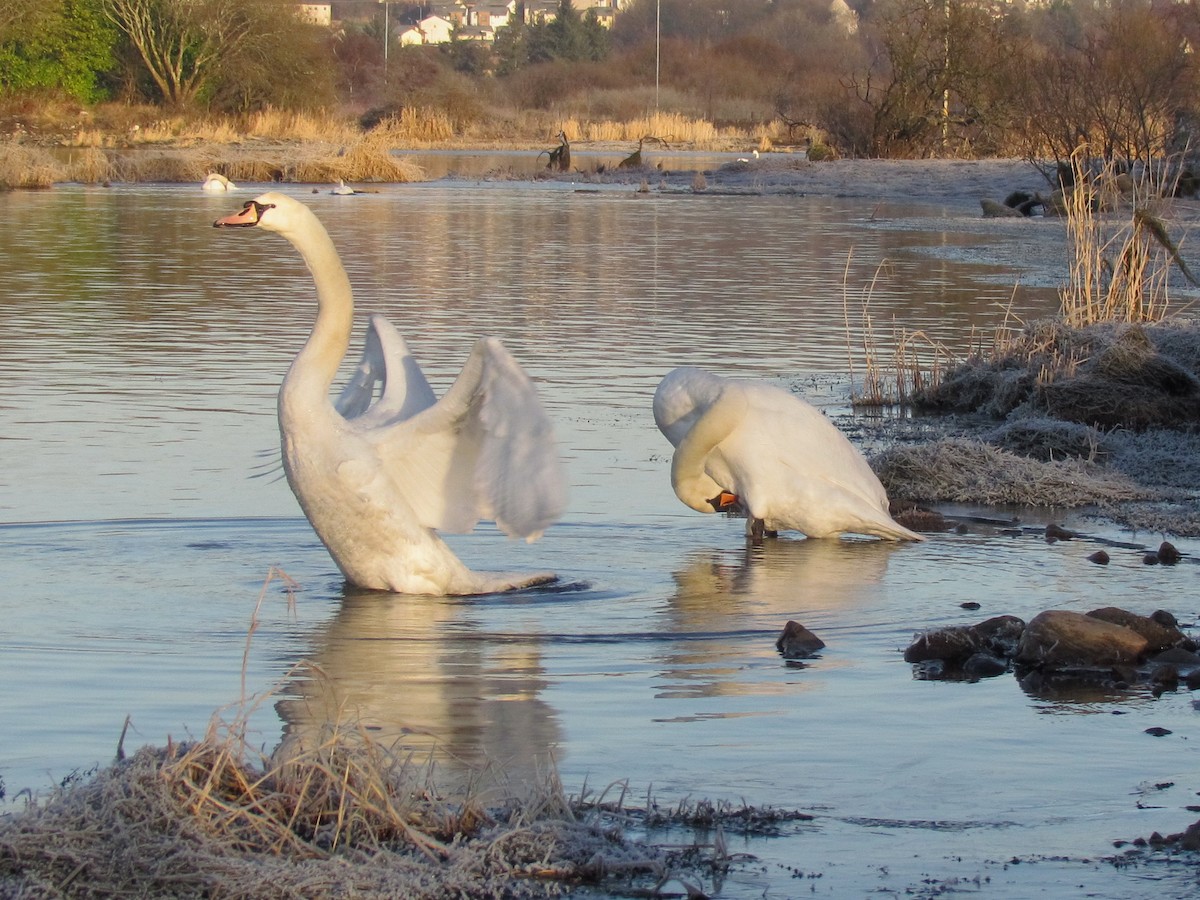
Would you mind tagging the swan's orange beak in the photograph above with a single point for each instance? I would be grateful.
(723, 501)
(249, 216)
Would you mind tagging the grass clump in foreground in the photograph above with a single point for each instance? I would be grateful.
(345, 817)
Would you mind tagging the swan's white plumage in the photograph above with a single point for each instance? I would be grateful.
(788, 465)
(376, 475)
(218, 182)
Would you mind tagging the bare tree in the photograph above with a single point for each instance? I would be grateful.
(1120, 80)
(181, 42)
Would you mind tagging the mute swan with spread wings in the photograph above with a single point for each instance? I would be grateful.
(757, 446)
(377, 476)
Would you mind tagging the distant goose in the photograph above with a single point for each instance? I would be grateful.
(755, 446)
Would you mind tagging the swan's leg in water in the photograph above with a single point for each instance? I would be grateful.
(756, 530)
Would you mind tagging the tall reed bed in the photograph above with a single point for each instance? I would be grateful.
(22, 166)
(1120, 260)
(1119, 266)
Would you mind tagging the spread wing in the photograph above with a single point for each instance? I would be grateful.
(486, 450)
(387, 364)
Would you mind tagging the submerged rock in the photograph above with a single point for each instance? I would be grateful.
(1167, 554)
(1058, 533)
(797, 642)
(1001, 634)
(984, 665)
(953, 645)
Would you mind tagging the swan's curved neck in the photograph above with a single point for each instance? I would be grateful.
(312, 371)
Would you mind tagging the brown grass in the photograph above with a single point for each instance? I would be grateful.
(915, 363)
(1118, 268)
(22, 166)
(956, 470)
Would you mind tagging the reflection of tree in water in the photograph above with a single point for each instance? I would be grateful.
(724, 598)
(419, 678)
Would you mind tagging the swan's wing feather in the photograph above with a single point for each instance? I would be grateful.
(789, 453)
(804, 473)
(387, 362)
(485, 450)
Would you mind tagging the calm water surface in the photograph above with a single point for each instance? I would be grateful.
(142, 519)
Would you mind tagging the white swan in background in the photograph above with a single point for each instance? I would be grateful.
(342, 188)
(218, 182)
(757, 446)
(375, 477)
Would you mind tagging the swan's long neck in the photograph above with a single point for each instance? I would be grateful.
(307, 385)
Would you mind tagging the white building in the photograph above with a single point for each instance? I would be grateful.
(317, 13)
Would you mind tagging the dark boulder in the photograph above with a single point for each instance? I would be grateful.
(1158, 637)
(797, 642)
(1061, 639)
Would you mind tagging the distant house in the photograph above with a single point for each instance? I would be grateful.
(411, 37)
(317, 13)
(435, 29)
(495, 15)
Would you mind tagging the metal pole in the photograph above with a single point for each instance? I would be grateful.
(657, 43)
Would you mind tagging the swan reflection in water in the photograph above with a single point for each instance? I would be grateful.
(724, 598)
(420, 680)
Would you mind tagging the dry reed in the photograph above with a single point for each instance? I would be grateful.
(917, 361)
(22, 166)
(90, 165)
(1118, 270)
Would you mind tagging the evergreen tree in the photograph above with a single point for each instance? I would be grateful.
(66, 45)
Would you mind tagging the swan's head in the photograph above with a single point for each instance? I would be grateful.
(681, 398)
(274, 212)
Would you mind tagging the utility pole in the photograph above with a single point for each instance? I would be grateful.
(386, 29)
(657, 44)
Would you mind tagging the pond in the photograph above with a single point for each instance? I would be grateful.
(156, 566)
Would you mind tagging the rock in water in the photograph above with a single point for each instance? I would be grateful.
(797, 642)
(1060, 639)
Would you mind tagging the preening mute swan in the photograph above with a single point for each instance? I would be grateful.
(767, 450)
(218, 182)
(376, 476)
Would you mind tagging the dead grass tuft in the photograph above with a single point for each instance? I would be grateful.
(368, 159)
(957, 470)
(1109, 375)
(214, 817)
(340, 815)
(23, 166)
(90, 165)
(916, 362)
